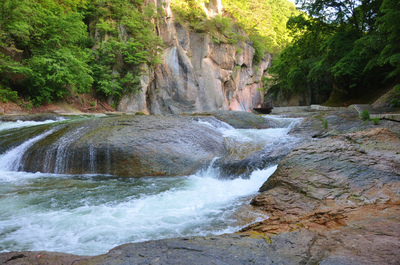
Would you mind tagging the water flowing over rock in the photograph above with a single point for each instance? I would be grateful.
(198, 74)
(125, 146)
(130, 145)
(333, 200)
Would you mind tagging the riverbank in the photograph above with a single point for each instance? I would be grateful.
(341, 189)
(84, 103)
(333, 200)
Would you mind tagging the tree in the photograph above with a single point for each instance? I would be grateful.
(354, 47)
(127, 40)
(47, 62)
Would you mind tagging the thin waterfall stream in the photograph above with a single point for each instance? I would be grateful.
(88, 214)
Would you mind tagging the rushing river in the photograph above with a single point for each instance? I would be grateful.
(90, 214)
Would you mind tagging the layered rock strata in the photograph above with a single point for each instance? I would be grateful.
(344, 191)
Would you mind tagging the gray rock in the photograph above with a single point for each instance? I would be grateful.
(132, 146)
(197, 74)
(238, 119)
(345, 190)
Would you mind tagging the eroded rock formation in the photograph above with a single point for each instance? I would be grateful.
(198, 74)
(344, 193)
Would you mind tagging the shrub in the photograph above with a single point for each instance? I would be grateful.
(364, 115)
(394, 103)
(7, 95)
(375, 120)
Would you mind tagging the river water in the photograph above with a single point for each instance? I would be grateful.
(90, 214)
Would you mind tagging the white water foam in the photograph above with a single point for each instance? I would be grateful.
(11, 160)
(200, 205)
(89, 215)
(20, 124)
(216, 124)
(283, 122)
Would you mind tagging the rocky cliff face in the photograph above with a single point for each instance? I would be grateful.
(197, 74)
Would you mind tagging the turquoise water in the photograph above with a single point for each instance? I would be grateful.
(90, 214)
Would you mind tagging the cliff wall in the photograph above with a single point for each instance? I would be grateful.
(196, 73)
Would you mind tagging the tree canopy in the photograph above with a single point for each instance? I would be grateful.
(53, 48)
(47, 51)
(349, 45)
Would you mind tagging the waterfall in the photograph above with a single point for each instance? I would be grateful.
(11, 160)
(59, 153)
(53, 156)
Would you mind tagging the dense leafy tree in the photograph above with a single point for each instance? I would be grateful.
(348, 45)
(264, 21)
(42, 57)
(52, 48)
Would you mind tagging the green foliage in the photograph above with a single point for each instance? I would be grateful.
(128, 40)
(301, 64)
(395, 102)
(364, 115)
(388, 25)
(55, 74)
(264, 21)
(191, 12)
(350, 45)
(375, 120)
(43, 59)
(326, 124)
(45, 48)
(221, 29)
(7, 95)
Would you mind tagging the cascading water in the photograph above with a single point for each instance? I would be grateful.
(11, 160)
(90, 214)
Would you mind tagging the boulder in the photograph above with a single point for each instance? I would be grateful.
(345, 190)
(132, 146)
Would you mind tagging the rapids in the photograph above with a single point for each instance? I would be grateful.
(90, 214)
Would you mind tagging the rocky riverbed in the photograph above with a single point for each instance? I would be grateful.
(334, 199)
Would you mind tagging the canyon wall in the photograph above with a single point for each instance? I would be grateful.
(196, 73)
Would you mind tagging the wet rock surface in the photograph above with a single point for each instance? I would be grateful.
(238, 119)
(338, 122)
(345, 189)
(131, 146)
(137, 145)
(335, 199)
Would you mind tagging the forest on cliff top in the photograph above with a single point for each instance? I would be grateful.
(53, 48)
(50, 49)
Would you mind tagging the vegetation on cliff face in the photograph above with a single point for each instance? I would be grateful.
(47, 51)
(264, 22)
(349, 46)
(52, 48)
(125, 40)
